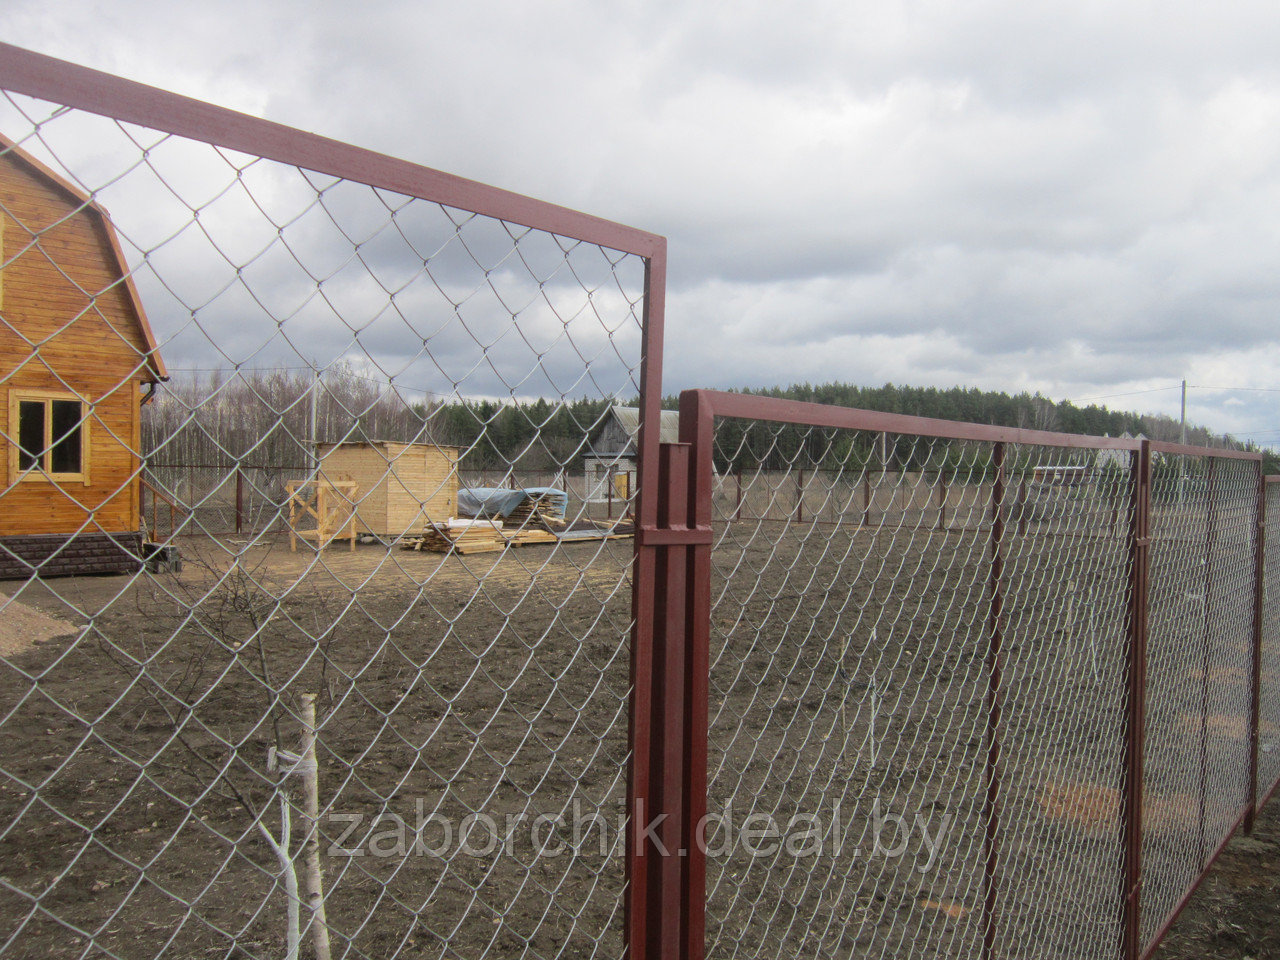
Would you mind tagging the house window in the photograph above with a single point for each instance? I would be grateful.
(52, 437)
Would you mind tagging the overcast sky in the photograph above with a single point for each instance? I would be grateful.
(1082, 201)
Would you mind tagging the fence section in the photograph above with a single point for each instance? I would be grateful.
(1268, 734)
(927, 731)
(377, 752)
(1199, 671)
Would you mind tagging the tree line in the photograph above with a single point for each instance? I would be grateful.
(271, 418)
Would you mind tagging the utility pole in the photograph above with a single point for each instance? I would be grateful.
(315, 384)
(1182, 473)
(1184, 413)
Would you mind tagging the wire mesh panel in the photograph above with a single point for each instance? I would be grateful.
(902, 764)
(271, 721)
(1269, 665)
(1199, 671)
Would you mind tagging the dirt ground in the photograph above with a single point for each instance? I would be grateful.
(847, 666)
(1232, 916)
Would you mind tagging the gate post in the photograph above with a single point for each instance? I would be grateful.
(1136, 681)
(1259, 587)
(995, 614)
(667, 787)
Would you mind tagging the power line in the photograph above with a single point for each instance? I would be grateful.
(1132, 393)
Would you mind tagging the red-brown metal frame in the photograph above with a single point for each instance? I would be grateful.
(1136, 686)
(58, 81)
(701, 407)
(995, 709)
(1255, 678)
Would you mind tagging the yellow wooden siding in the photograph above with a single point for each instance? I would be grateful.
(69, 327)
(109, 501)
(401, 486)
(368, 470)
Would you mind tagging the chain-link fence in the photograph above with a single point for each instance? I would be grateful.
(923, 738)
(219, 335)
(380, 671)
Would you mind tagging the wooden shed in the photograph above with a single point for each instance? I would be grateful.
(400, 486)
(609, 469)
(76, 351)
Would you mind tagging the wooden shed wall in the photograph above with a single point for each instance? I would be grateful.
(401, 486)
(64, 294)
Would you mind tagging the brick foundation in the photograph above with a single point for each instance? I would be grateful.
(57, 555)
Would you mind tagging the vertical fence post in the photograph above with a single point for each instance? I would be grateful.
(991, 807)
(1259, 592)
(737, 510)
(1022, 507)
(866, 500)
(1206, 659)
(239, 499)
(1135, 719)
(666, 865)
(942, 500)
(697, 428)
(799, 513)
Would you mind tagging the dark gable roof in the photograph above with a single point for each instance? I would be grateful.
(629, 419)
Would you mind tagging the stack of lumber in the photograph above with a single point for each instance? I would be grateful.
(534, 509)
(467, 536)
(520, 538)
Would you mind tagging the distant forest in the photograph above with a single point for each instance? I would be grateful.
(267, 418)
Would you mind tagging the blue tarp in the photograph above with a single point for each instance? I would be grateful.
(497, 503)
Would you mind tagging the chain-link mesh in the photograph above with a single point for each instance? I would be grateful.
(852, 682)
(1269, 664)
(1199, 670)
(919, 691)
(344, 362)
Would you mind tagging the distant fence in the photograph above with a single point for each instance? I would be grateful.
(209, 499)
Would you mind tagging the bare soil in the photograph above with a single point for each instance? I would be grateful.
(847, 665)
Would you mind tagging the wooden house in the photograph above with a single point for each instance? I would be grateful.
(609, 468)
(400, 487)
(76, 352)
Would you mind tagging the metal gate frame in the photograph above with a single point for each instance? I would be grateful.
(71, 85)
(672, 648)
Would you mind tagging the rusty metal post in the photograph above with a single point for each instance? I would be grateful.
(1022, 507)
(737, 510)
(697, 428)
(1206, 659)
(942, 500)
(1135, 720)
(239, 500)
(866, 500)
(799, 511)
(1255, 693)
(991, 807)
